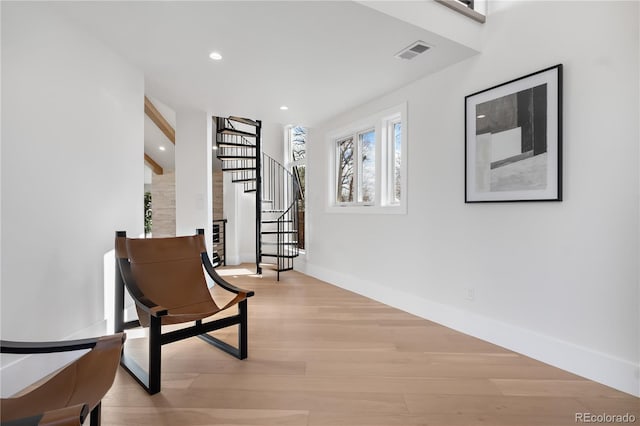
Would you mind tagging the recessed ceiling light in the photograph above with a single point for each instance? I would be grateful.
(284, 107)
(162, 148)
(481, 116)
(215, 56)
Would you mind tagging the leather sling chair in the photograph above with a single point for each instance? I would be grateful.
(66, 396)
(165, 278)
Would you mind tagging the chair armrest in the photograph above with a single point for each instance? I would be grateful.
(219, 280)
(141, 300)
(149, 307)
(11, 347)
(74, 415)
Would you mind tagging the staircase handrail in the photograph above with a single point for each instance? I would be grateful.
(290, 175)
(289, 210)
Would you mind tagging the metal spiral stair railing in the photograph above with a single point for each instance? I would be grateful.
(280, 214)
(277, 191)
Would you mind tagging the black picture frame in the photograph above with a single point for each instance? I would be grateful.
(513, 140)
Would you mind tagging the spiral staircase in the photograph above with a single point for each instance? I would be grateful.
(276, 189)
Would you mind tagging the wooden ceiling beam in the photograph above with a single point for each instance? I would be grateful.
(157, 168)
(159, 120)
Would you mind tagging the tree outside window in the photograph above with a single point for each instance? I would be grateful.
(345, 192)
(296, 148)
(370, 164)
(367, 150)
(397, 161)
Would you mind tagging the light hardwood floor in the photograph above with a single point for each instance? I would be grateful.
(320, 355)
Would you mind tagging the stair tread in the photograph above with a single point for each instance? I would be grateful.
(294, 231)
(235, 144)
(227, 131)
(289, 243)
(243, 120)
(287, 249)
(286, 256)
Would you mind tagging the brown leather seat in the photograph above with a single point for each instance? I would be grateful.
(165, 278)
(65, 396)
(168, 271)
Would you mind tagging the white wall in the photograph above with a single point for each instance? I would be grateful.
(193, 173)
(246, 220)
(232, 255)
(72, 171)
(272, 139)
(558, 281)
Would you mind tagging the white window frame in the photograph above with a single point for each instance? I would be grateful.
(382, 124)
(358, 168)
(389, 170)
(289, 164)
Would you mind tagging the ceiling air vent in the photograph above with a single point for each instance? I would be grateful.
(413, 50)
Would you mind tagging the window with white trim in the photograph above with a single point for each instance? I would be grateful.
(368, 164)
(296, 162)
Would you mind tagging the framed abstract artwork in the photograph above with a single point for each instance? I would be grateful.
(513, 140)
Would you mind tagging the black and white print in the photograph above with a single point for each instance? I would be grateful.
(513, 140)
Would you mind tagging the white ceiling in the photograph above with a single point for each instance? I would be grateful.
(318, 57)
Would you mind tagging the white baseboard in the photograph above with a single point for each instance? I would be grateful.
(600, 367)
(19, 371)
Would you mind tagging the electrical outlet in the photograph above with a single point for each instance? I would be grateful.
(470, 293)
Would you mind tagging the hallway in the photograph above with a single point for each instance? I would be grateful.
(320, 355)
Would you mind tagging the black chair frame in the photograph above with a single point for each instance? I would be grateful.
(149, 379)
